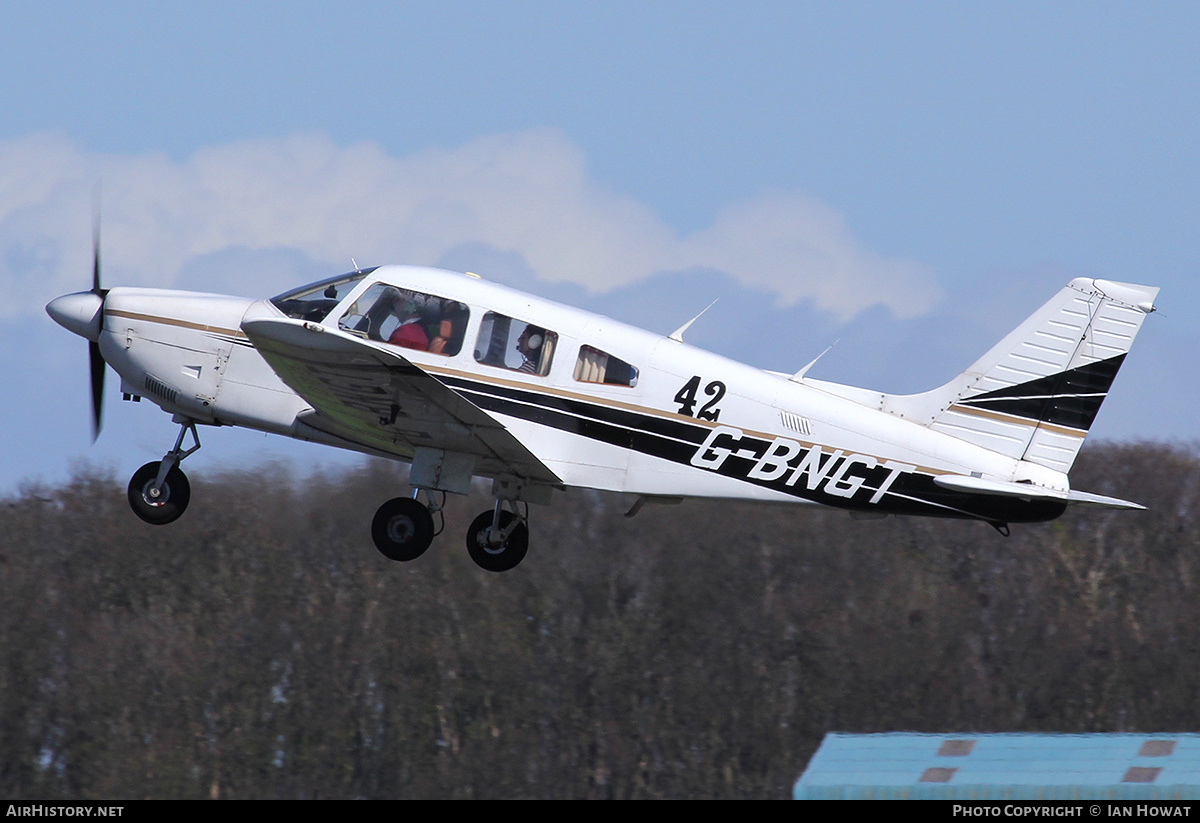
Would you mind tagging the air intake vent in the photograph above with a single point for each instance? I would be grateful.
(160, 389)
(796, 423)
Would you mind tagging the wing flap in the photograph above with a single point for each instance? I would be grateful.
(372, 396)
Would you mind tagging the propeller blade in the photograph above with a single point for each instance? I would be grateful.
(96, 362)
(97, 365)
(96, 245)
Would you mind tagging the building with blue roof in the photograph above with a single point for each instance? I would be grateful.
(1003, 767)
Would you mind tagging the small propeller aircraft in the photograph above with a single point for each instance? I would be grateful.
(465, 378)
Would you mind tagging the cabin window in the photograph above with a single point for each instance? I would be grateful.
(513, 344)
(315, 301)
(409, 319)
(595, 366)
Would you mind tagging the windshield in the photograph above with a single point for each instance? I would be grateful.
(315, 301)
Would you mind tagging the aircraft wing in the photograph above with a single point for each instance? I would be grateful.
(375, 398)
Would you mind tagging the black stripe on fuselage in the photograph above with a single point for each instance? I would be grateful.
(646, 423)
(681, 442)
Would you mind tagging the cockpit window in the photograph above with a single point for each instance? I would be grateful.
(514, 344)
(314, 301)
(595, 366)
(407, 318)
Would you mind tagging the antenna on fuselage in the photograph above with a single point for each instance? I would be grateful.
(677, 335)
(798, 377)
(354, 263)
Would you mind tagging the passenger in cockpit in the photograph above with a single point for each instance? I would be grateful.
(529, 344)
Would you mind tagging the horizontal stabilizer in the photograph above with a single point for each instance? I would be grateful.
(1029, 491)
(1089, 499)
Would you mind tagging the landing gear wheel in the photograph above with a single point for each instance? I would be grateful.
(402, 529)
(497, 557)
(168, 503)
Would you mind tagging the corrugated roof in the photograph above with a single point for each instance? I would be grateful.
(1004, 766)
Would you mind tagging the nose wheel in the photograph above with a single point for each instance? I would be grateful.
(159, 492)
(158, 504)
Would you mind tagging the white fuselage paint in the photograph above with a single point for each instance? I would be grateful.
(739, 432)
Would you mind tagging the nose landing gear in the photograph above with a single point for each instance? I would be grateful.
(159, 491)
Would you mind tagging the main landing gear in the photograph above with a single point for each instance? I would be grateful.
(403, 527)
(497, 540)
(159, 492)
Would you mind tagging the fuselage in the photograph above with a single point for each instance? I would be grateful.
(609, 407)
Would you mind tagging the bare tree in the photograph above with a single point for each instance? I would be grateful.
(261, 648)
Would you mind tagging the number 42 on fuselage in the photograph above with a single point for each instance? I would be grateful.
(466, 378)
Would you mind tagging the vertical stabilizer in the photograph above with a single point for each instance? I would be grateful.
(1035, 394)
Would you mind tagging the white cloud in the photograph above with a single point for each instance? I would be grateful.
(802, 249)
(527, 194)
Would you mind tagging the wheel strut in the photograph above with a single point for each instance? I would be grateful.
(499, 533)
(172, 458)
(435, 506)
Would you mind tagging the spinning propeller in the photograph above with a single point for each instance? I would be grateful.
(83, 313)
(95, 361)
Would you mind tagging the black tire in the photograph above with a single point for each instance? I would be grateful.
(402, 529)
(497, 558)
(171, 502)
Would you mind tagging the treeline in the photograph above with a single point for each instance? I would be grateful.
(261, 648)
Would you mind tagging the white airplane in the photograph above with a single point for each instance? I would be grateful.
(465, 378)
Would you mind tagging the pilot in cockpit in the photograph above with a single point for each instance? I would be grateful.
(409, 333)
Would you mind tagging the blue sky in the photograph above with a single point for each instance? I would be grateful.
(911, 179)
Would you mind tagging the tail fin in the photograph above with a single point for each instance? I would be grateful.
(1035, 394)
